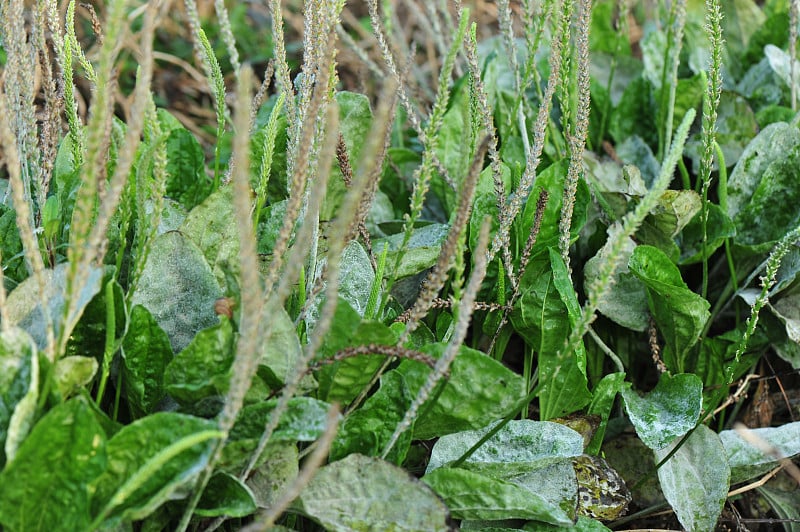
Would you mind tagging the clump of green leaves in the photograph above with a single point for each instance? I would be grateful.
(518, 246)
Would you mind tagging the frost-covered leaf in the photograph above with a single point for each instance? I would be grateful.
(281, 346)
(362, 493)
(24, 302)
(748, 461)
(178, 287)
(420, 254)
(19, 389)
(781, 63)
(668, 412)
(695, 479)
(212, 227)
(766, 171)
(519, 446)
(626, 302)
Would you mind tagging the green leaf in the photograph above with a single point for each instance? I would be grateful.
(668, 412)
(636, 101)
(89, 336)
(748, 461)
(521, 445)
(719, 227)
(551, 179)
(145, 355)
(24, 303)
(367, 430)
(226, 496)
(603, 398)
(695, 479)
(355, 280)
(19, 389)
(762, 184)
(212, 227)
(542, 318)
(151, 461)
(679, 313)
(479, 391)
(583, 524)
(47, 485)
(11, 246)
(202, 369)
(304, 420)
(186, 176)
(471, 495)
(178, 288)
(74, 372)
(342, 380)
(363, 493)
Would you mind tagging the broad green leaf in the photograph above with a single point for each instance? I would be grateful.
(455, 144)
(479, 391)
(11, 246)
(343, 380)
(355, 120)
(420, 254)
(762, 184)
(748, 461)
(695, 479)
(603, 398)
(186, 176)
(145, 355)
(626, 302)
(679, 313)
(563, 283)
(654, 53)
(718, 228)
(668, 412)
(542, 318)
(48, 484)
(89, 336)
(303, 420)
(151, 461)
(471, 495)
(74, 372)
(521, 445)
(203, 368)
(551, 179)
(19, 389)
(363, 493)
(212, 227)
(367, 430)
(178, 288)
(225, 495)
(24, 308)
